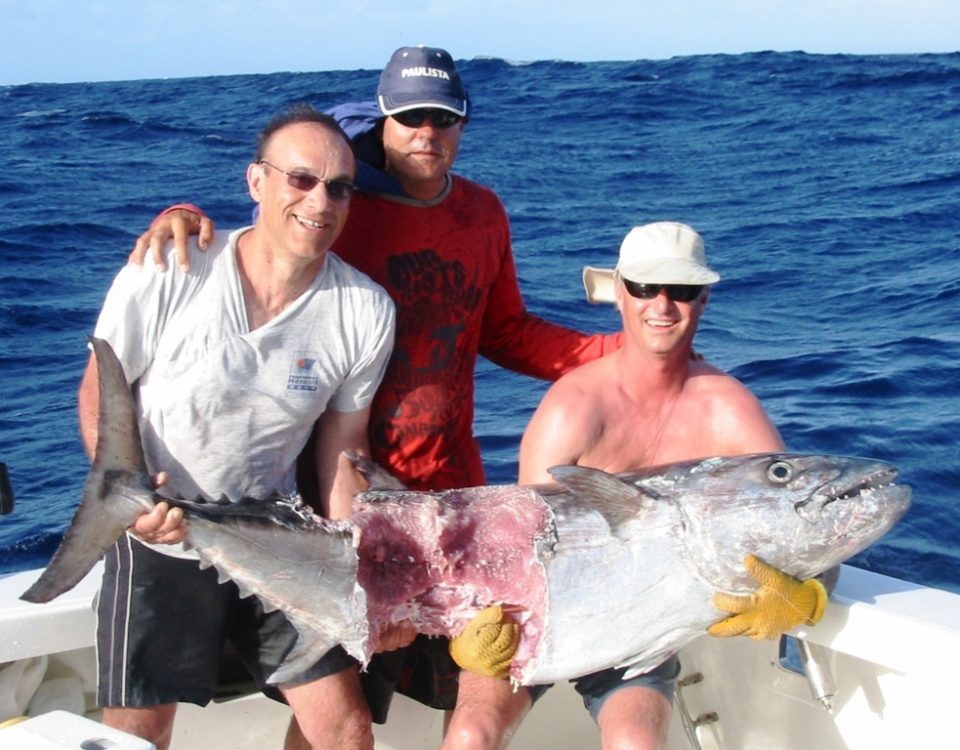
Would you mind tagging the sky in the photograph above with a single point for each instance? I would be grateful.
(107, 40)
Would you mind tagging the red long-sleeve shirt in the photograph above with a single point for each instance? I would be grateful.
(450, 270)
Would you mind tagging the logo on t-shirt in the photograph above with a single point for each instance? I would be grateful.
(303, 373)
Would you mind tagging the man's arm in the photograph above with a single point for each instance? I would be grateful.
(512, 337)
(338, 482)
(556, 434)
(88, 407)
(177, 222)
(739, 424)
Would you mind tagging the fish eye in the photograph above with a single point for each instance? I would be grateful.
(780, 472)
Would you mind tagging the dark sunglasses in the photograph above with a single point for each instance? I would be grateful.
(415, 118)
(675, 292)
(337, 189)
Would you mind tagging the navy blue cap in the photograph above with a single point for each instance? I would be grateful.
(421, 77)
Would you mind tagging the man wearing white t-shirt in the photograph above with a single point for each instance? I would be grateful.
(233, 364)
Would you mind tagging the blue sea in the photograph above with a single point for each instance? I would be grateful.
(827, 189)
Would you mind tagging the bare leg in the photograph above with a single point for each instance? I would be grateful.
(634, 718)
(154, 723)
(329, 713)
(487, 714)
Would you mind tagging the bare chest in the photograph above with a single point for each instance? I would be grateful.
(637, 438)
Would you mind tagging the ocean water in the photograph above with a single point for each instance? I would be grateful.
(827, 188)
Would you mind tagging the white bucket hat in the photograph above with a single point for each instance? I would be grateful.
(665, 252)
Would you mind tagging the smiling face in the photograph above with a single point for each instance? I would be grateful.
(301, 224)
(420, 157)
(660, 325)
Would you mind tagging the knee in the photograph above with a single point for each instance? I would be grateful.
(487, 715)
(345, 730)
(476, 732)
(637, 739)
(638, 734)
(471, 736)
(154, 723)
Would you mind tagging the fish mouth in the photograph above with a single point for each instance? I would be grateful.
(849, 486)
(879, 479)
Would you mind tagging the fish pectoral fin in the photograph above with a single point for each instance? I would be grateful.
(617, 501)
(641, 665)
(310, 647)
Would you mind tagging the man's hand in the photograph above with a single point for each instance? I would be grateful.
(161, 525)
(396, 636)
(781, 603)
(487, 643)
(177, 225)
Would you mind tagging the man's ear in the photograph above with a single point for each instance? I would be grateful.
(619, 293)
(255, 177)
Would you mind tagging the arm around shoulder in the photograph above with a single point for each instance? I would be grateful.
(176, 222)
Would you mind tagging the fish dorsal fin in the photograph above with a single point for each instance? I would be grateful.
(377, 477)
(613, 498)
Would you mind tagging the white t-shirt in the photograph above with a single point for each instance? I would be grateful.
(225, 410)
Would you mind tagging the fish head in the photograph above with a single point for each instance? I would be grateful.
(803, 514)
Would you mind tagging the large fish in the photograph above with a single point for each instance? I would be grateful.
(600, 570)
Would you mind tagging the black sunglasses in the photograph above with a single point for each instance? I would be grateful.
(439, 118)
(675, 292)
(337, 189)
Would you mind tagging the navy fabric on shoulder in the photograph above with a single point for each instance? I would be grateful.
(359, 121)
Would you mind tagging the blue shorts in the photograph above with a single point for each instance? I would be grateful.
(163, 625)
(597, 687)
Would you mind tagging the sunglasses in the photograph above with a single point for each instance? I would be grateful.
(675, 292)
(337, 189)
(415, 118)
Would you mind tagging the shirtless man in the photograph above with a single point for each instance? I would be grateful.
(646, 404)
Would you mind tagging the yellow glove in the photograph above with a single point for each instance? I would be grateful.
(487, 643)
(781, 603)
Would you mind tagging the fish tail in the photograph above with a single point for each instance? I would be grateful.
(117, 489)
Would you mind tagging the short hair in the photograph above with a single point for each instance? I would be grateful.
(294, 115)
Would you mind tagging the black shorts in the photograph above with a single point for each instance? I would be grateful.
(163, 623)
(424, 671)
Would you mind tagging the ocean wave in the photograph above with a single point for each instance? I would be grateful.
(822, 184)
